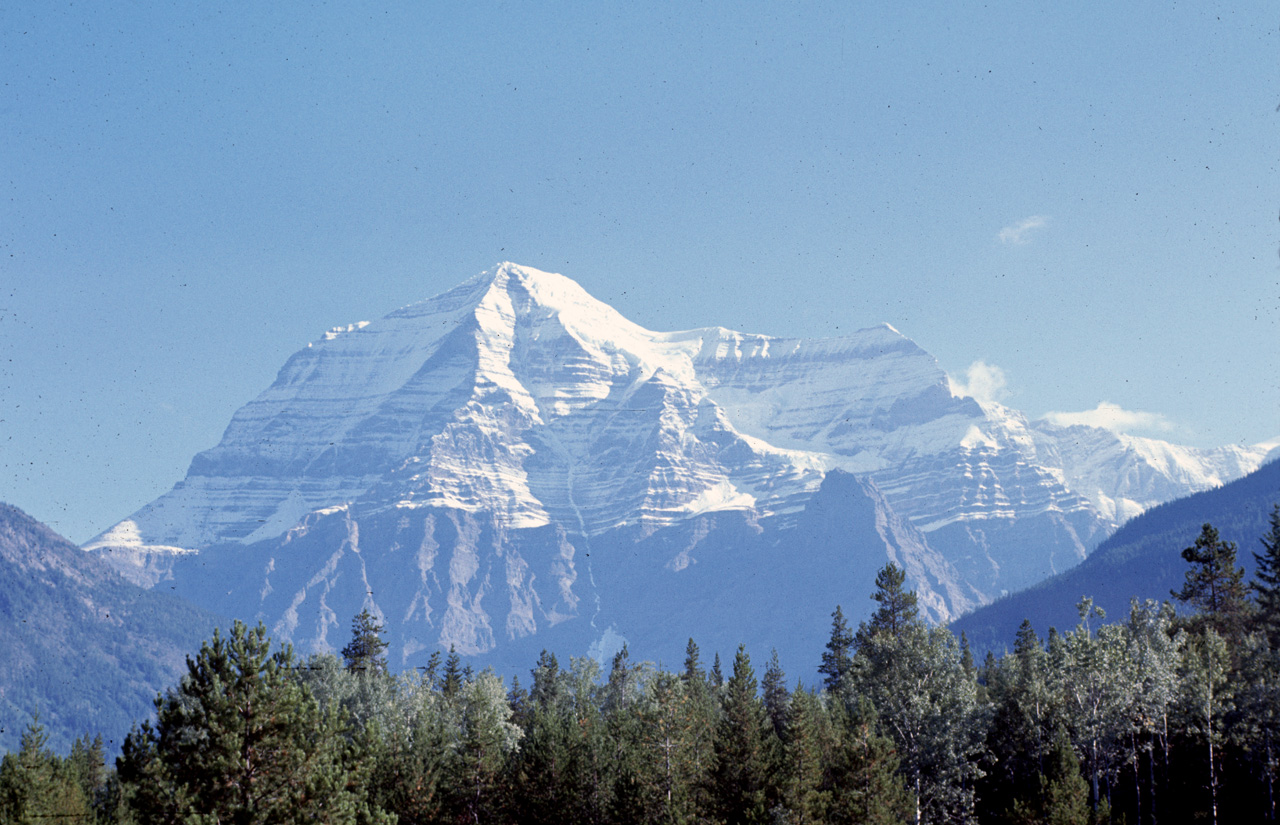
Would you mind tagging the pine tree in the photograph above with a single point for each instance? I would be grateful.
(1215, 586)
(738, 781)
(432, 668)
(863, 780)
(801, 794)
(366, 652)
(37, 786)
(692, 663)
(241, 740)
(451, 678)
(898, 608)
(777, 700)
(1063, 795)
(838, 658)
(1267, 585)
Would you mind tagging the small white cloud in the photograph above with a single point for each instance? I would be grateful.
(1112, 417)
(984, 383)
(1017, 233)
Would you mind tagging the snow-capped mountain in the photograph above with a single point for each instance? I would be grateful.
(514, 455)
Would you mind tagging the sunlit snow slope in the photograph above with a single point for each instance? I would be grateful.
(517, 405)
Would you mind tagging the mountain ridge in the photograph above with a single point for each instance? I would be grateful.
(84, 648)
(516, 406)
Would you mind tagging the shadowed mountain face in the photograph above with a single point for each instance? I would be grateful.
(1142, 560)
(81, 646)
(513, 461)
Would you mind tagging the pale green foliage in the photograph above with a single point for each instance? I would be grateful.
(1207, 698)
(927, 704)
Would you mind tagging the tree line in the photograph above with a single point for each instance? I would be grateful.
(1171, 716)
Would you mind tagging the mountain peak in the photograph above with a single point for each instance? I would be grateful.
(518, 405)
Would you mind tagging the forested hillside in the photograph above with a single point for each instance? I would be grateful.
(80, 646)
(1141, 560)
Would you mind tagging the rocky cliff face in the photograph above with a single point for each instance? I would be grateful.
(513, 458)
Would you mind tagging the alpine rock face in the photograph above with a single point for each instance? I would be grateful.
(512, 464)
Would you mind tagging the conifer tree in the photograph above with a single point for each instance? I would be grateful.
(1215, 586)
(1267, 584)
(898, 608)
(837, 659)
(451, 679)
(1063, 795)
(801, 794)
(366, 652)
(776, 698)
(37, 786)
(738, 781)
(863, 780)
(692, 663)
(241, 740)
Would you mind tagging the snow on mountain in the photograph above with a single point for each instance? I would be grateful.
(1123, 475)
(544, 443)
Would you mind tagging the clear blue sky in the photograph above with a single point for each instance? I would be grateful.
(1082, 195)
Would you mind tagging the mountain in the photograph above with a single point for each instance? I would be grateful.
(1141, 560)
(84, 648)
(512, 463)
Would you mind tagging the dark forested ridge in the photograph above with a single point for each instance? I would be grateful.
(1161, 718)
(1141, 560)
(81, 646)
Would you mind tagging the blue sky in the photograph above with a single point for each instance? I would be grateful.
(1080, 198)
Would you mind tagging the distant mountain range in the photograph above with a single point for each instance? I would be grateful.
(81, 647)
(1142, 560)
(513, 465)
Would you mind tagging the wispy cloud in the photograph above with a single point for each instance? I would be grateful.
(1019, 231)
(983, 382)
(1112, 417)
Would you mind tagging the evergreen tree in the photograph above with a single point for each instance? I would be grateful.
(240, 740)
(863, 782)
(776, 698)
(738, 781)
(1215, 586)
(837, 659)
(1016, 734)
(451, 678)
(36, 786)
(801, 795)
(1267, 584)
(366, 652)
(432, 668)
(1063, 794)
(692, 663)
(898, 608)
(966, 657)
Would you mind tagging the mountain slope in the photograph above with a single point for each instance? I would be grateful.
(529, 442)
(1141, 560)
(84, 648)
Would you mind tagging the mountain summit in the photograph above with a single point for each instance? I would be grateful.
(513, 455)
